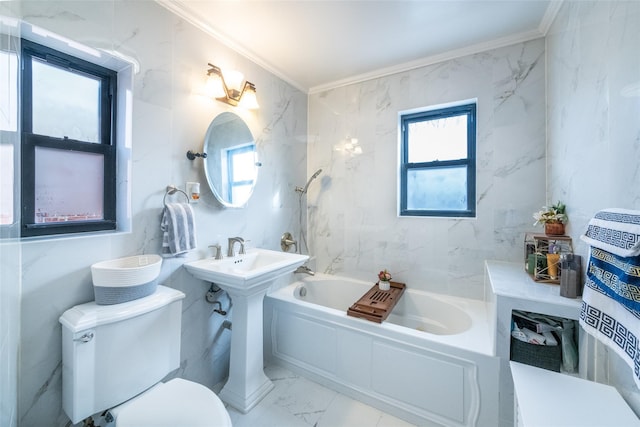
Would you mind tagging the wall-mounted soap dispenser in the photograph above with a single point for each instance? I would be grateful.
(193, 191)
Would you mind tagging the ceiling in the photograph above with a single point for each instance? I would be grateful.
(320, 44)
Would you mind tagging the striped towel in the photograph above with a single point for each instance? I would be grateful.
(179, 229)
(616, 231)
(611, 305)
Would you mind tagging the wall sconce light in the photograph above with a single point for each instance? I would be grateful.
(228, 87)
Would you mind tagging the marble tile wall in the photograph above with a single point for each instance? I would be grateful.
(9, 331)
(353, 224)
(591, 59)
(593, 92)
(169, 118)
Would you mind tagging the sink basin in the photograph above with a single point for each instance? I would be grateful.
(246, 271)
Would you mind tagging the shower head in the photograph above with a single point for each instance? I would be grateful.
(306, 187)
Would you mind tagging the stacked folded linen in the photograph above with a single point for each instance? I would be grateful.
(616, 231)
(611, 300)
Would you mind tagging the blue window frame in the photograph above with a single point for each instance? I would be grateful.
(438, 162)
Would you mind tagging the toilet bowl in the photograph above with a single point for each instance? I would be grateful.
(172, 404)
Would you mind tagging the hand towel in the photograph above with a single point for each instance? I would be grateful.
(616, 231)
(611, 305)
(179, 229)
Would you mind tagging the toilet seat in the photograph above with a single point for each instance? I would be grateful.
(176, 403)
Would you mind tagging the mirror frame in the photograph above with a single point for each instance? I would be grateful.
(228, 132)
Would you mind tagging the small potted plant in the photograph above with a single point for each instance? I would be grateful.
(384, 278)
(553, 217)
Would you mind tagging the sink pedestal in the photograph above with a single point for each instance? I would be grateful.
(246, 278)
(247, 383)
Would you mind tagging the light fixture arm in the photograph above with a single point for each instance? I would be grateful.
(247, 86)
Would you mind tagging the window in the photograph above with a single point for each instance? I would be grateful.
(68, 143)
(8, 137)
(438, 166)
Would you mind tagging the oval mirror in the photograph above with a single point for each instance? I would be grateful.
(231, 164)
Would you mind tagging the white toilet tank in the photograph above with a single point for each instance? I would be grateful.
(111, 353)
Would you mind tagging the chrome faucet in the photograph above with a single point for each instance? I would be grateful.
(232, 241)
(218, 249)
(306, 270)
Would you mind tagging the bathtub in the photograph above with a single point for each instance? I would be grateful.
(432, 362)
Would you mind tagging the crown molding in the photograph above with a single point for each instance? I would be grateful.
(430, 60)
(550, 16)
(178, 8)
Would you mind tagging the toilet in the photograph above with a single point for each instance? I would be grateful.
(114, 358)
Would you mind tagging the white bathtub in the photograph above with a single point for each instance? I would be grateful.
(431, 362)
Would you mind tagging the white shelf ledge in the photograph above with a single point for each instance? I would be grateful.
(545, 398)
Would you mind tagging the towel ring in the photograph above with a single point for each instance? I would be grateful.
(172, 189)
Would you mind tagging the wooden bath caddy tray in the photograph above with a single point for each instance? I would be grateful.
(376, 305)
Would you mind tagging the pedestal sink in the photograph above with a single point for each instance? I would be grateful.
(246, 278)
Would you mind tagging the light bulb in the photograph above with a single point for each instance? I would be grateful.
(214, 87)
(249, 100)
(233, 79)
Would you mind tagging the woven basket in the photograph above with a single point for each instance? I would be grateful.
(542, 356)
(125, 279)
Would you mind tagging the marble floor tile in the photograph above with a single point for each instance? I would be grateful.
(345, 411)
(298, 402)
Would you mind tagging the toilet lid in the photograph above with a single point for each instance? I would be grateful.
(176, 403)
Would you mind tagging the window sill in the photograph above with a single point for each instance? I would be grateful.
(443, 215)
(74, 236)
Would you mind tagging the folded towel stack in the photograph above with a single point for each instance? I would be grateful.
(611, 300)
(616, 231)
(179, 229)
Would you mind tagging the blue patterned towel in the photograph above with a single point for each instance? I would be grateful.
(179, 229)
(616, 231)
(611, 304)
